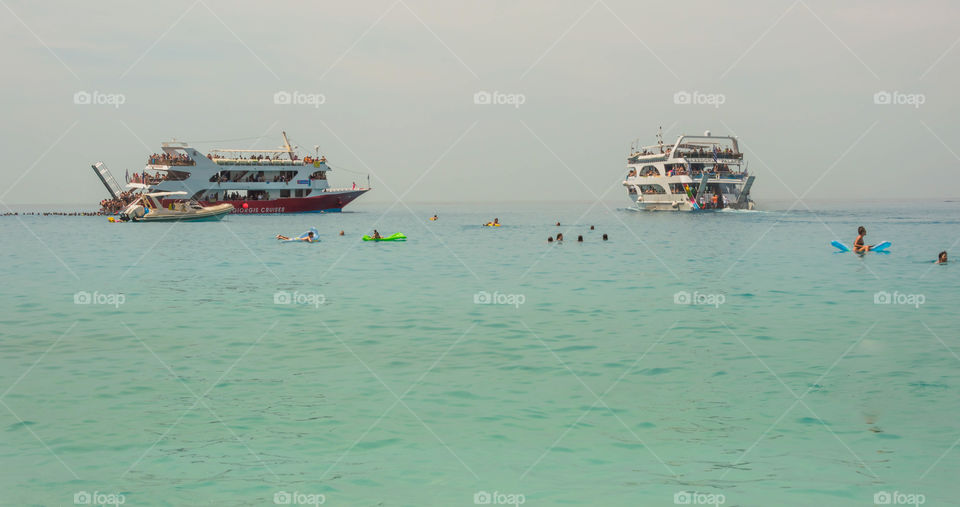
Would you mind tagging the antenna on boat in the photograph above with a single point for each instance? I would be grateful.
(286, 144)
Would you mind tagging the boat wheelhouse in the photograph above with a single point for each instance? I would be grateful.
(252, 181)
(694, 173)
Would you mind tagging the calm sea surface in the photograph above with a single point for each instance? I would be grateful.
(727, 358)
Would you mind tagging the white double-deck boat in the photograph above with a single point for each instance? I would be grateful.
(695, 173)
(251, 181)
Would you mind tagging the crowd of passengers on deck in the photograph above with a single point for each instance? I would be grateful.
(113, 206)
(251, 177)
(167, 159)
(697, 153)
(262, 158)
(679, 170)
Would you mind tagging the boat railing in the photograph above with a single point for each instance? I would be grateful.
(254, 162)
(166, 161)
(708, 156)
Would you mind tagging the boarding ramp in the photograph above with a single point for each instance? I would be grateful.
(106, 177)
(703, 187)
(745, 192)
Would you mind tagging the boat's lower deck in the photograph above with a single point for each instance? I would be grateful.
(324, 202)
(681, 193)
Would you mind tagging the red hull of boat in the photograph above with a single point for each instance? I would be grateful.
(314, 204)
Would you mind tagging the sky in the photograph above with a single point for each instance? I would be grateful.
(830, 100)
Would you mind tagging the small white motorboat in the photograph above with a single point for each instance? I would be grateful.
(148, 207)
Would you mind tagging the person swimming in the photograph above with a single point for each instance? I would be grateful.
(376, 235)
(308, 238)
(858, 244)
(580, 239)
(605, 236)
(560, 237)
(434, 217)
(558, 224)
(341, 233)
(549, 239)
(942, 257)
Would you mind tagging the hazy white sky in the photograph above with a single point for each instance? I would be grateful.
(797, 80)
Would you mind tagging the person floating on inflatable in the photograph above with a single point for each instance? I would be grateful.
(434, 217)
(376, 235)
(495, 223)
(308, 237)
(858, 245)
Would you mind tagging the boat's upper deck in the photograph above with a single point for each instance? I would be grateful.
(695, 149)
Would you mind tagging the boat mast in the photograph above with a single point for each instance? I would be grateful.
(286, 144)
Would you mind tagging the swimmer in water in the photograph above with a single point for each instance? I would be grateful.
(434, 217)
(341, 233)
(308, 238)
(580, 239)
(605, 237)
(858, 244)
(942, 257)
(560, 237)
(549, 239)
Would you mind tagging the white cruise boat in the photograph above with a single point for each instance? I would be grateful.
(695, 173)
(252, 181)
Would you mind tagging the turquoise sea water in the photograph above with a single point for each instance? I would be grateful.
(188, 379)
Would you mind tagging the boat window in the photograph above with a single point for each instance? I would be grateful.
(177, 175)
(284, 193)
(649, 170)
(652, 189)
